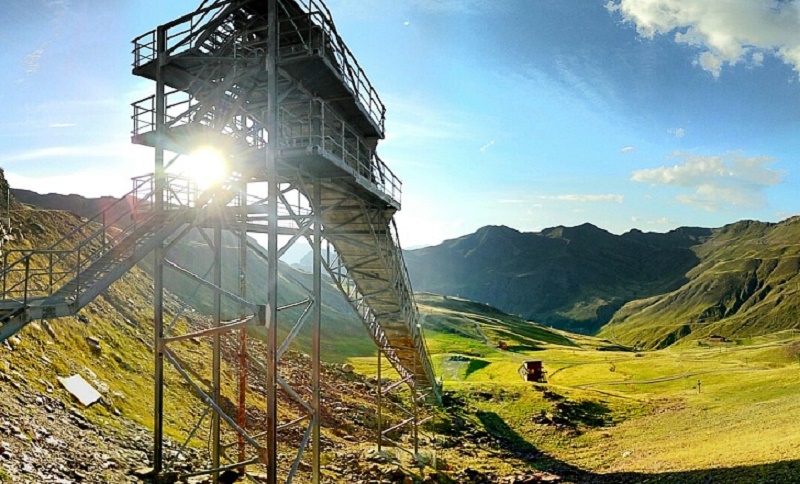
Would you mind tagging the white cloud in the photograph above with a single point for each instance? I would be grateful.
(677, 132)
(727, 32)
(32, 60)
(413, 121)
(627, 149)
(584, 198)
(717, 181)
(469, 6)
(65, 152)
(659, 222)
(486, 146)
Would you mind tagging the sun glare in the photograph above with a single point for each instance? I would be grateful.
(206, 166)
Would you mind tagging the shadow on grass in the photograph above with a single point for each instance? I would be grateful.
(475, 365)
(776, 473)
(524, 348)
(591, 414)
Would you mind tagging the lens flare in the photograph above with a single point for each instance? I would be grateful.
(206, 166)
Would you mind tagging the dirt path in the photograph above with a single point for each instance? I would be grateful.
(668, 378)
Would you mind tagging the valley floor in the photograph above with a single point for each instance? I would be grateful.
(703, 412)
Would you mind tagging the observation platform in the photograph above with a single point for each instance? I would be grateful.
(201, 47)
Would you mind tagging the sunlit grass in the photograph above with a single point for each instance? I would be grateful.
(644, 410)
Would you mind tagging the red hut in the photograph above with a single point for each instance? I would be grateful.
(532, 371)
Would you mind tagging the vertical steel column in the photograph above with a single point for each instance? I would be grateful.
(272, 242)
(241, 417)
(316, 346)
(215, 364)
(158, 265)
(380, 403)
(414, 396)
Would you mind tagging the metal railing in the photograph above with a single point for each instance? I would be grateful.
(304, 124)
(412, 319)
(38, 273)
(179, 34)
(315, 34)
(314, 124)
(184, 109)
(211, 29)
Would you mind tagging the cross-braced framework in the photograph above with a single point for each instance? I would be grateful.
(272, 87)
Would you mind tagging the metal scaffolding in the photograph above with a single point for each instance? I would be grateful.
(271, 86)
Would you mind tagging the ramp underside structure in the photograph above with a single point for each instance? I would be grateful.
(271, 86)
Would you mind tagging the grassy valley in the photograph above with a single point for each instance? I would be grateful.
(608, 415)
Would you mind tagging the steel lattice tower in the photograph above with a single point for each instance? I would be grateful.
(273, 86)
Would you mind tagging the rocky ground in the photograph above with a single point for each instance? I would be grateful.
(47, 437)
(44, 440)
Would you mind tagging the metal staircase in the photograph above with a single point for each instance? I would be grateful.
(63, 278)
(368, 267)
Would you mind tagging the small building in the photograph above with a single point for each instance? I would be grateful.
(502, 345)
(715, 338)
(532, 370)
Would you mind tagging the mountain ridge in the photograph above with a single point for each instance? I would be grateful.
(645, 289)
(560, 276)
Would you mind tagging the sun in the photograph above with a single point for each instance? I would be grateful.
(206, 166)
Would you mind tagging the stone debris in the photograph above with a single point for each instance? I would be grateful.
(94, 343)
(45, 437)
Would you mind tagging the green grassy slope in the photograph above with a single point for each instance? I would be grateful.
(621, 416)
(746, 285)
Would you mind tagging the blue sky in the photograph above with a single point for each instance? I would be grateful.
(648, 114)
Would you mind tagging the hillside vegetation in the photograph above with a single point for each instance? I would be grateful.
(745, 285)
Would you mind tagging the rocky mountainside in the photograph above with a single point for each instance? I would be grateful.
(77, 204)
(574, 278)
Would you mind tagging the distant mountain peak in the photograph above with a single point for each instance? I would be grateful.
(578, 231)
(496, 229)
